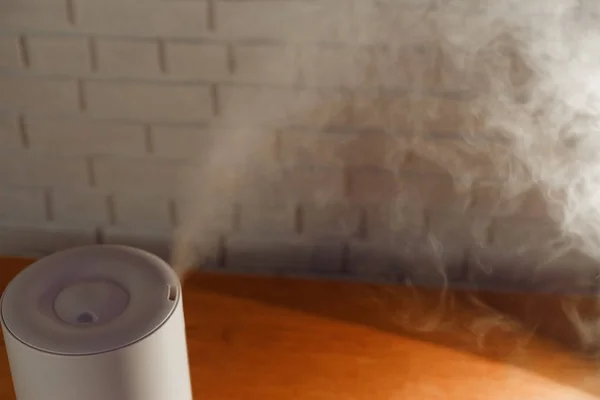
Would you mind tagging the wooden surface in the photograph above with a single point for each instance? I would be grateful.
(274, 338)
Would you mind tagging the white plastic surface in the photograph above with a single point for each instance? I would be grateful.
(77, 327)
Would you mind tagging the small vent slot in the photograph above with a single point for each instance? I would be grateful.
(172, 293)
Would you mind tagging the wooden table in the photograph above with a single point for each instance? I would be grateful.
(254, 338)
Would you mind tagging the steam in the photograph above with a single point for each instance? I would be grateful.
(523, 76)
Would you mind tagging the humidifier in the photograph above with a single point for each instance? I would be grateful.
(96, 323)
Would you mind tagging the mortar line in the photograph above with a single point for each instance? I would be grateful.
(345, 258)
(216, 106)
(148, 140)
(211, 18)
(231, 59)
(71, 12)
(23, 48)
(81, 92)
(111, 209)
(48, 204)
(99, 236)
(90, 172)
(93, 50)
(23, 134)
(222, 255)
(173, 214)
(162, 56)
(299, 219)
(237, 217)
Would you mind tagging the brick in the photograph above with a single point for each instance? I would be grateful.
(122, 57)
(41, 240)
(305, 148)
(148, 19)
(153, 175)
(447, 73)
(521, 235)
(395, 112)
(445, 115)
(22, 204)
(69, 55)
(374, 20)
(249, 105)
(321, 185)
(501, 60)
(332, 220)
(432, 268)
(372, 185)
(10, 135)
(347, 66)
(459, 230)
(434, 191)
(38, 95)
(157, 243)
(454, 235)
(10, 54)
(519, 246)
(219, 218)
(374, 149)
(414, 259)
(197, 60)
(266, 64)
(327, 258)
(279, 254)
(371, 261)
(402, 67)
(492, 268)
(285, 20)
(421, 161)
(387, 111)
(185, 142)
(268, 218)
(339, 149)
(79, 206)
(253, 254)
(193, 249)
(85, 137)
(573, 272)
(388, 224)
(34, 14)
(494, 201)
(134, 208)
(443, 155)
(149, 102)
(42, 169)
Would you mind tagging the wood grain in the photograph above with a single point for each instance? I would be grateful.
(254, 338)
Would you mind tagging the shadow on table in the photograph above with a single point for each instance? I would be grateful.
(506, 320)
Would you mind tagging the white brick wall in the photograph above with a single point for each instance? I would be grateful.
(104, 103)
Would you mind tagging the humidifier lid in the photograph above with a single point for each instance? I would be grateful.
(90, 300)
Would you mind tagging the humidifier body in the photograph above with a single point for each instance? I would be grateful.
(96, 323)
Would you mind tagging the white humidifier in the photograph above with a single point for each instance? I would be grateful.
(96, 323)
